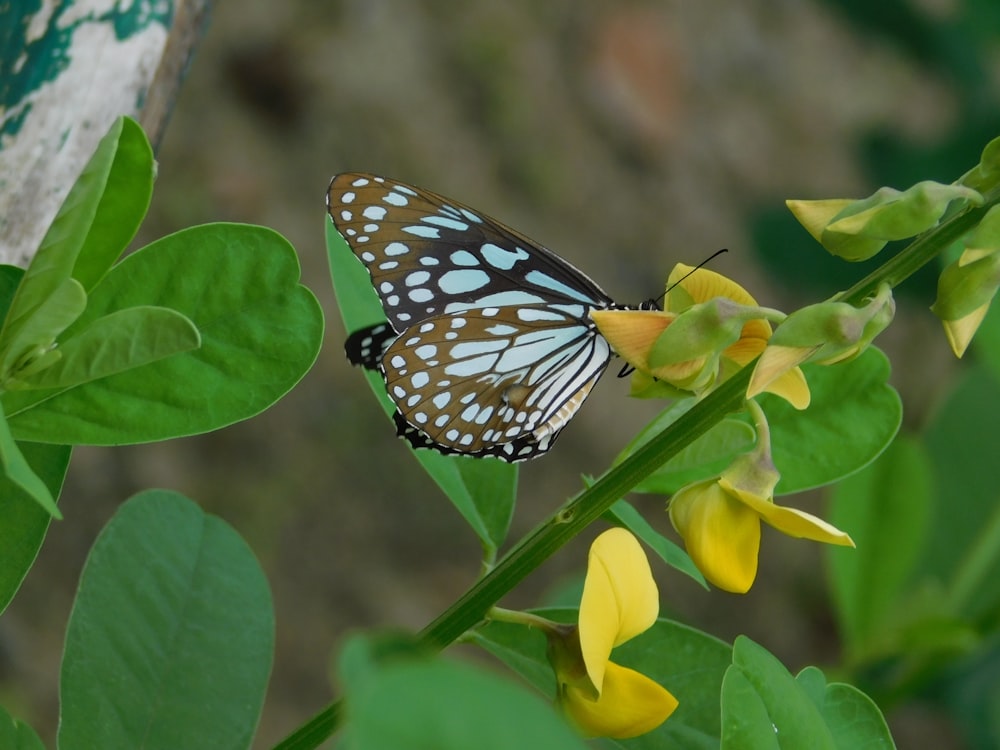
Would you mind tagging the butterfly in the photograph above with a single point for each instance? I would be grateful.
(488, 348)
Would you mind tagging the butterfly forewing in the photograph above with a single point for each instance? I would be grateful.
(495, 349)
(429, 255)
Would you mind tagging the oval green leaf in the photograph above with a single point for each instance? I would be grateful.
(170, 640)
(260, 329)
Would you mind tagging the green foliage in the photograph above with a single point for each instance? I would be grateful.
(853, 416)
(171, 636)
(25, 521)
(763, 706)
(414, 700)
(97, 351)
(15, 735)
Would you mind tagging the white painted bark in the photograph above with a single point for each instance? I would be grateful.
(76, 67)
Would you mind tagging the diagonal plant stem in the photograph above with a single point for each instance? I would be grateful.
(532, 550)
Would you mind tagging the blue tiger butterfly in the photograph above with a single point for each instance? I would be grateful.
(488, 348)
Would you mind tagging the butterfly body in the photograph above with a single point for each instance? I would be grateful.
(488, 348)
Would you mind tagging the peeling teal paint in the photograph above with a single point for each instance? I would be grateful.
(26, 67)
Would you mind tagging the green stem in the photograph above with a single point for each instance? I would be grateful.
(472, 607)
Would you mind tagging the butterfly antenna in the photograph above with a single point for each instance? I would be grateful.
(709, 259)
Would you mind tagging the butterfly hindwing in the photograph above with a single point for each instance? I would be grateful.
(497, 381)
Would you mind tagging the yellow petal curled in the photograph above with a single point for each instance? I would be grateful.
(721, 534)
(630, 704)
(793, 521)
(620, 599)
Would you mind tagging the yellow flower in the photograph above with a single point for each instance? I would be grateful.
(720, 525)
(719, 519)
(710, 327)
(620, 601)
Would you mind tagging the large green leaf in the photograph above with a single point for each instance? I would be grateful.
(483, 490)
(24, 521)
(690, 664)
(260, 330)
(170, 641)
(885, 509)
(434, 703)
(853, 417)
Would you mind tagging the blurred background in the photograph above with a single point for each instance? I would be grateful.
(626, 136)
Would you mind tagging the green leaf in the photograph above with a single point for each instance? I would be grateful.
(964, 548)
(97, 220)
(19, 472)
(749, 727)
(127, 191)
(624, 514)
(705, 457)
(16, 735)
(39, 329)
(435, 703)
(788, 715)
(260, 331)
(119, 341)
(853, 417)
(854, 721)
(690, 664)
(482, 490)
(170, 641)
(885, 509)
(24, 521)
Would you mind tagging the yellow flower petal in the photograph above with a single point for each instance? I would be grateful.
(774, 362)
(703, 285)
(631, 704)
(632, 333)
(792, 387)
(620, 599)
(795, 522)
(960, 332)
(721, 534)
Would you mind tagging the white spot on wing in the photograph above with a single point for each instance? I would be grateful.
(464, 281)
(430, 233)
(500, 257)
(417, 278)
(444, 221)
(375, 213)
